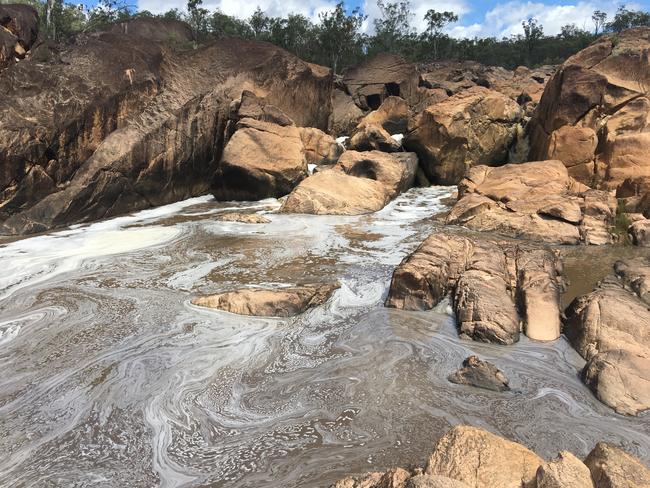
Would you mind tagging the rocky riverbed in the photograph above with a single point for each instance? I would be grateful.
(111, 375)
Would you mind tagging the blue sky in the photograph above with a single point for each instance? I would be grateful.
(489, 18)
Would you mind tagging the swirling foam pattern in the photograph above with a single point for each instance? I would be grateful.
(111, 378)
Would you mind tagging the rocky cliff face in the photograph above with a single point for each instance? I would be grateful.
(18, 32)
(125, 120)
(595, 111)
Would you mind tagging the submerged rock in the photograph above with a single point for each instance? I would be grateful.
(244, 218)
(480, 374)
(262, 302)
(495, 286)
(537, 201)
(361, 182)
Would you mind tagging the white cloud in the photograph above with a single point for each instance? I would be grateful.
(505, 18)
(418, 9)
(244, 9)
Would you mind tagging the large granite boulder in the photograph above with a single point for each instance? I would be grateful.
(373, 137)
(567, 471)
(620, 378)
(639, 232)
(635, 275)
(433, 481)
(18, 32)
(360, 182)
(481, 459)
(392, 116)
(495, 286)
(610, 328)
(474, 127)
(537, 201)
(612, 467)
(345, 113)
(144, 127)
(320, 148)
(280, 302)
(261, 160)
(471, 457)
(595, 111)
(375, 130)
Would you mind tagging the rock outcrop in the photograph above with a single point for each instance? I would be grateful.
(481, 374)
(639, 232)
(523, 84)
(567, 471)
(612, 467)
(378, 78)
(320, 148)
(610, 328)
(537, 201)
(281, 302)
(371, 137)
(345, 113)
(635, 274)
(18, 32)
(375, 129)
(120, 121)
(595, 111)
(392, 116)
(261, 160)
(470, 457)
(360, 182)
(481, 459)
(475, 127)
(243, 218)
(495, 286)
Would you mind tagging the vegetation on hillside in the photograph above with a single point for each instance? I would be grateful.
(337, 39)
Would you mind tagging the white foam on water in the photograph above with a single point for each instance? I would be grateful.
(9, 333)
(36, 259)
(342, 141)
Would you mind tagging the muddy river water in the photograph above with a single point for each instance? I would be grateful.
(110, 377)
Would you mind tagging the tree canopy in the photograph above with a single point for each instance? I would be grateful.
(337, 38)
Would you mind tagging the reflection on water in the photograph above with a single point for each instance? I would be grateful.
(111, 378)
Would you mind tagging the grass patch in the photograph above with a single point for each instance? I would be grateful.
(621, 225)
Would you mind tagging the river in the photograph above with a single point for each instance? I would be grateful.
(110, 377)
